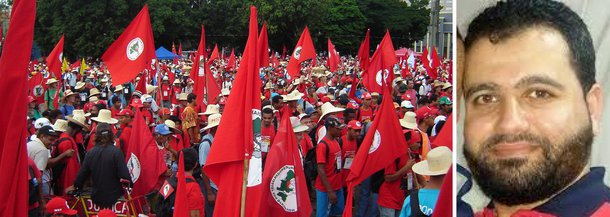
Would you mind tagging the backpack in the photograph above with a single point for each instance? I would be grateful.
(33, 183)
(414, 206)
(167, 196)
(310, 165)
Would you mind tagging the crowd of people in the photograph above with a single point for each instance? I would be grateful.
(80, 127)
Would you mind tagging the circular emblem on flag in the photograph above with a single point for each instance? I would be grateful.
(376, 142)
(38, 90)
(135, 48)
(134, 167)
(385, 75)
(297, 52)
(201, 66)
(61, 55)
(358, 124)
(45, 74)
(283, 188)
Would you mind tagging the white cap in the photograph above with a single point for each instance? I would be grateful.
(41, 122)
(406, 104)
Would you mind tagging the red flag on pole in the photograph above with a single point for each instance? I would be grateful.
(133, 51)
(76, 64)
(425, 60)
(13, 88)
(285, 189)
(180, 50)
(214, 54)
(434, 64)
(199, 69)
(55, 58)
(263, 47)
(283, 52)
(304, 50)
(383, 60)
(175, 61)
(180, 203)
(274, 61)
(212, 90)
(333, 57)
(363, 52)
(231, 62)
(144, 159)
(233, 147)
(383, 143)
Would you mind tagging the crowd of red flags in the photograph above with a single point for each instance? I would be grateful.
(14, 62)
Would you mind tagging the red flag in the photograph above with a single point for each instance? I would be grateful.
(199, 69)
(13, 88)
(133, 51)
(383, 143)
(76, 64)
(425, 60)
(175, 61)
(55, 57)
(142, 84)
(333, 57)
(363, 52)
(263, 47)
(285, 190)
(214, 54)
(284, 53)
(274, 61)
(144, 159)
(434, 64)
(444, 203)
(383, 60)
(212, 90)
(234, 142)
(304, 50)
(35, 84)
(180, 50)
(231, 62)
(180, 203)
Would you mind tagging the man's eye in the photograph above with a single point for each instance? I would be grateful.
(485, 99)
(539, 94)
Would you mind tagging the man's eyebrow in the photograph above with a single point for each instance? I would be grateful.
(538, 79)
(479, 87)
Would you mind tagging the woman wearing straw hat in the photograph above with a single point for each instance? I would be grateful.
(69, 100)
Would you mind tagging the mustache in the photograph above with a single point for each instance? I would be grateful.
(512, 138)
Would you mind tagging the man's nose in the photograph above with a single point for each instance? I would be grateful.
(512, 117)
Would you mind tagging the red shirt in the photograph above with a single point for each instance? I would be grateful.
(125, 137)
(268, 133)
(177, 90)
(114, 112)
(72, 164)
(305, 144)
(332, 164)
(148, 116)
(349, 151)
(390, 194)
(365, 115)
(166, 92)
(194, 196)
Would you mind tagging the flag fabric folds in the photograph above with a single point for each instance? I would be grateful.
(363, 52)
(234, 143)
(231, 62)
(381, 68)
(304, 50)
(285, 189)
(55, 58)
(214, 54)
(14, 62)
(333, 57)
(180, 203)
(263, 47)
(133, 51)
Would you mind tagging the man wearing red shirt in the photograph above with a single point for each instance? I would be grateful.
(329, 183)
(124, 133)
(166, 92)
(350, 145)
(176, 90)
(64, 171)
(365, 112)
(267, 130)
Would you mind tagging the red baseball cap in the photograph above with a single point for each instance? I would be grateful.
(164, 111)
(31, 99)
(325, 99)
(106, 213)
(424, 112)
(58, 205)
(124, 112)
(366, 95)
(352, 105)
(415, 136)
(354, 124)
(136, 102)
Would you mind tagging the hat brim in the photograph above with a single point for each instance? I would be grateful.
(70, 119)
(79, 86)
(331, 111)
(300, 128)
(408, 125)
(109, 121)
(210, 126)
(422, 168)
(176, 129)
(69, 212)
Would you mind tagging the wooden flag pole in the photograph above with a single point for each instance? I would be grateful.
(242, 211)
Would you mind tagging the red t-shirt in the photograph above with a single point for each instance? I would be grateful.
(349, 152)
(332, 164)
(114, 112)
(148, 116)
(268, 133)
(72, 164)
(305, 144)
(177, 90)
(366, 115)
(125, 137)
(194, 196)
(390, 194)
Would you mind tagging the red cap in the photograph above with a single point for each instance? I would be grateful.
(31, 99)
(124, 112)
(222, 101)
(136, 102)
(325, 99)
(353, 105)
(354, 124)
(366, 95)
(415, 136)
(164, 111)
(58, 205)
(106, 213)
(424, 112)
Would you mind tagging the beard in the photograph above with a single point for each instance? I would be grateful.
(516, 181)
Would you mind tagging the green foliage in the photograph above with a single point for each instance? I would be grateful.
(91, 26)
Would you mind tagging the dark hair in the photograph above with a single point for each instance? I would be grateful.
(267, 111)
(100, 106)
(348, 111)
(191, 97)
(74, 126)
(190, 158)
(277, 99)
(115, 99)
(507, 19)
(104, 134)
(54, 114)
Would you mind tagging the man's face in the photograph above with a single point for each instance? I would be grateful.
(267, 119)
(162, 139)
(125, 119)
(94, 111)
(366, 102)
(308, 122)
(278, 105)
(292, 104)
(349, 117)
(353, 133)
(528, 128)
(47, 140)
(117, 105)
(146, 105)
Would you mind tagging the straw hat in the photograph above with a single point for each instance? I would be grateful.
(446, 85)
(213, 121)
(105, 116)
(176, 81)
(118, 88)
(103, 80)
(293, 96)
(51, 80)
(80, 112)
(68, 93)
(79, 85)
(268, 86)
(172, 125)
(93, 99)
(438, 162)
(80, 120)
(94, 92)
(211, 109)
(90, 76)
(60, 125)
(297, 127)
(328, 108)
(150, 88)
(409, 121)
